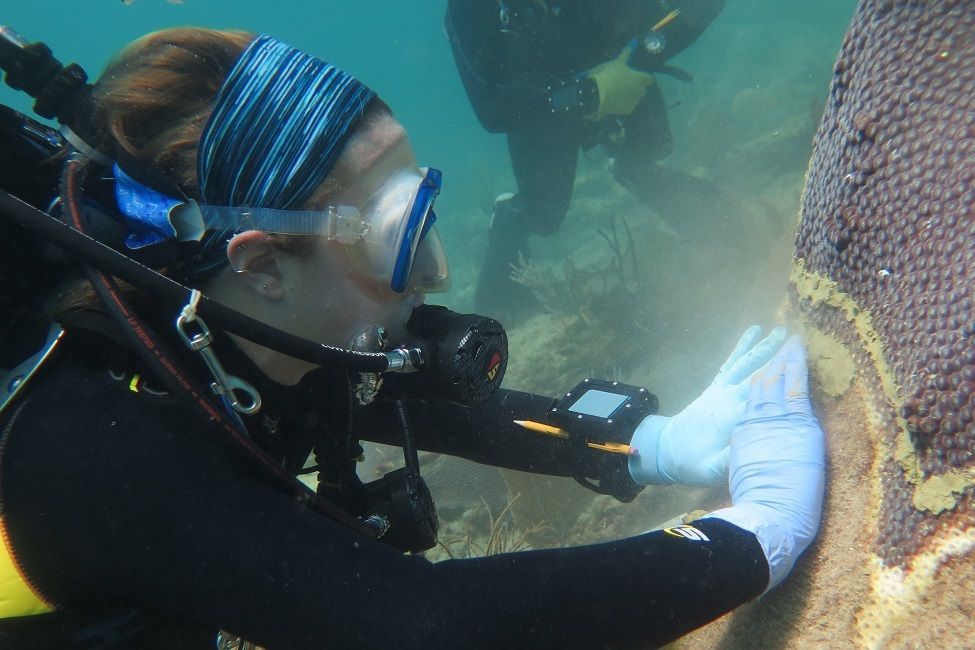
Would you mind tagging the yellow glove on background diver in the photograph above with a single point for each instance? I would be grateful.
(620, 85)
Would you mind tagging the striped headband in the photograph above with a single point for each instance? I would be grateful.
(280, 122)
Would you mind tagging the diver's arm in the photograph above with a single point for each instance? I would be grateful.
(143, 509)
(487, 434)
(503, 103)
(690, 448)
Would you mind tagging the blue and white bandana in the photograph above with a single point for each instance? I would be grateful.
(280, 121)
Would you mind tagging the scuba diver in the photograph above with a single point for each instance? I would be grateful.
(558, 76)
(245, 243)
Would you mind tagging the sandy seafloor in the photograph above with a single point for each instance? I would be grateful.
(745, 126)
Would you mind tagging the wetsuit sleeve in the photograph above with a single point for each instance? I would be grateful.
(487, 434)
(118, 501)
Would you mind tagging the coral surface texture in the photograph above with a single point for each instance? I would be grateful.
(885, 266)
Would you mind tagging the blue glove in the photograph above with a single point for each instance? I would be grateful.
(692, 447)
(778, 464)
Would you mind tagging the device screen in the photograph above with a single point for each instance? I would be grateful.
(565, 97)
(598, 403)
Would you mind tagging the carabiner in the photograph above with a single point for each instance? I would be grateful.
(223, 385)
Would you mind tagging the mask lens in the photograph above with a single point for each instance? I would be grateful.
(430, 272)
(399, 218)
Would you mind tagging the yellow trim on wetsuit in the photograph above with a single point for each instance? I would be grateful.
(17, 597)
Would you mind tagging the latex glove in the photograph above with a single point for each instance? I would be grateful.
(778, 464)
(620, 86)
(692, 447)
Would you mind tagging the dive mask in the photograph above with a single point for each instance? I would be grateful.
(390, 237)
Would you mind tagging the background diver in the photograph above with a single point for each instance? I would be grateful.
(564, 75)
(141, 510)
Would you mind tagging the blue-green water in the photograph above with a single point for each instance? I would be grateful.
(397, 48)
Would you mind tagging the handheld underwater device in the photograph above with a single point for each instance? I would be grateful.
(603, 410)
(649, 51)
(603, 414)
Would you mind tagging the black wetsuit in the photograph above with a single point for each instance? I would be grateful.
(145, 530)
(511, 52)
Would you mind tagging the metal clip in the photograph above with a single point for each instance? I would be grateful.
(223, 384)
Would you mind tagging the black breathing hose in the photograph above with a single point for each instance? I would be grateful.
(409, 448)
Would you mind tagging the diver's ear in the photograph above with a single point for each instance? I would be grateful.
(251, 256)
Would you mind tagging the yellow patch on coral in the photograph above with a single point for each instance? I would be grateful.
(939, 493)
(818, 290)
(833, 363)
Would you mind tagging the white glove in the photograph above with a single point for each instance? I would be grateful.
(692, 447)
(778, 464)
